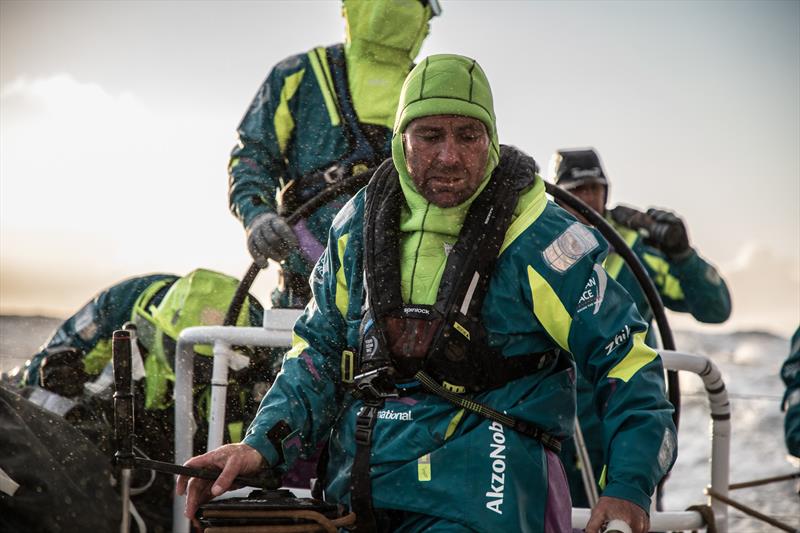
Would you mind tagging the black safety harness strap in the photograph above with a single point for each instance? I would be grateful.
(361, 154)
(360, 478)
(526, 428)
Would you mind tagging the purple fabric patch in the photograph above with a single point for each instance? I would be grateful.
(294, 442)
(407, 400)
(310, 365)
(558, 513)
(312, 249)
(302, 471)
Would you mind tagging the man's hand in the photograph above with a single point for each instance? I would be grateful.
(609, 508)
(270, 237)
(231, 459)
(668, 234)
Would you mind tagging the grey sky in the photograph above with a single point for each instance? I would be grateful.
(693, 106)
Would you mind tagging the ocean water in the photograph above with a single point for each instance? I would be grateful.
(750, 364)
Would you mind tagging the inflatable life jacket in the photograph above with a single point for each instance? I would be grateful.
(446, 340)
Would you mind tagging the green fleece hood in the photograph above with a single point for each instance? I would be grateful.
(442, 84)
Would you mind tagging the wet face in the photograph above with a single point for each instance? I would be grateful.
(446, 157)
(593, 195)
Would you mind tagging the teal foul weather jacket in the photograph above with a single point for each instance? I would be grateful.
(432, 458)
(293, 128)
(89, 332)
(324, 115)
(690, 285)
(91, 328)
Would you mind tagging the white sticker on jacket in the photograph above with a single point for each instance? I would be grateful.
(344, 214)
(667, 450)
(576, 241)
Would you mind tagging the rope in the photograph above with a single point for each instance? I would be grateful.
(752, 512)
(740, 396)
(321, 522)
(764, 481)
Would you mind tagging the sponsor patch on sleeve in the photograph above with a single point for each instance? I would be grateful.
(574, 243)
(667, 450)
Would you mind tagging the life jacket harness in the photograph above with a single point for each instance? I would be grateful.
(444, 343)
(362, 155)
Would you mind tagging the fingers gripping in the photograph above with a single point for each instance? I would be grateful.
(269, 236)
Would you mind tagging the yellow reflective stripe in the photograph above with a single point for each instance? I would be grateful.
(140, 305)
(283, 121)
(669, 284)
(549, 310)
(96, 360)
(451, 427)
(158, 373)
(461, 329)
(613, 263)
(639, 355)
(424, 467)
(603, 478)
(342, 298)
(325, 82)
(298, 345)
(528, 216)
(347, 366)
(235, 431)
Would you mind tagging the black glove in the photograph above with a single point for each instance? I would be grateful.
(61, 371)
(668, 234)
(270, 237)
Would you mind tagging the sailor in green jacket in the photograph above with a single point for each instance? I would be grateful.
(685, 282)
(438, 353)
(71, 374)
(790, 373)
(318, 118)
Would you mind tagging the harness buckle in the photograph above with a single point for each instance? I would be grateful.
(374, 386)
(365, 423)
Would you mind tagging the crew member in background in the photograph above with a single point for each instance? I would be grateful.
(685, 281)
(318, 118)
(71, 375)
(790, 373)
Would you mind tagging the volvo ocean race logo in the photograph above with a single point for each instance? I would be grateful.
(594, 291)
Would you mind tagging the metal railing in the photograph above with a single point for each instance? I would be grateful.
(277, 332)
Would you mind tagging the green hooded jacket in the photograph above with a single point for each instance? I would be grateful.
(429, 457)
(295, 125)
